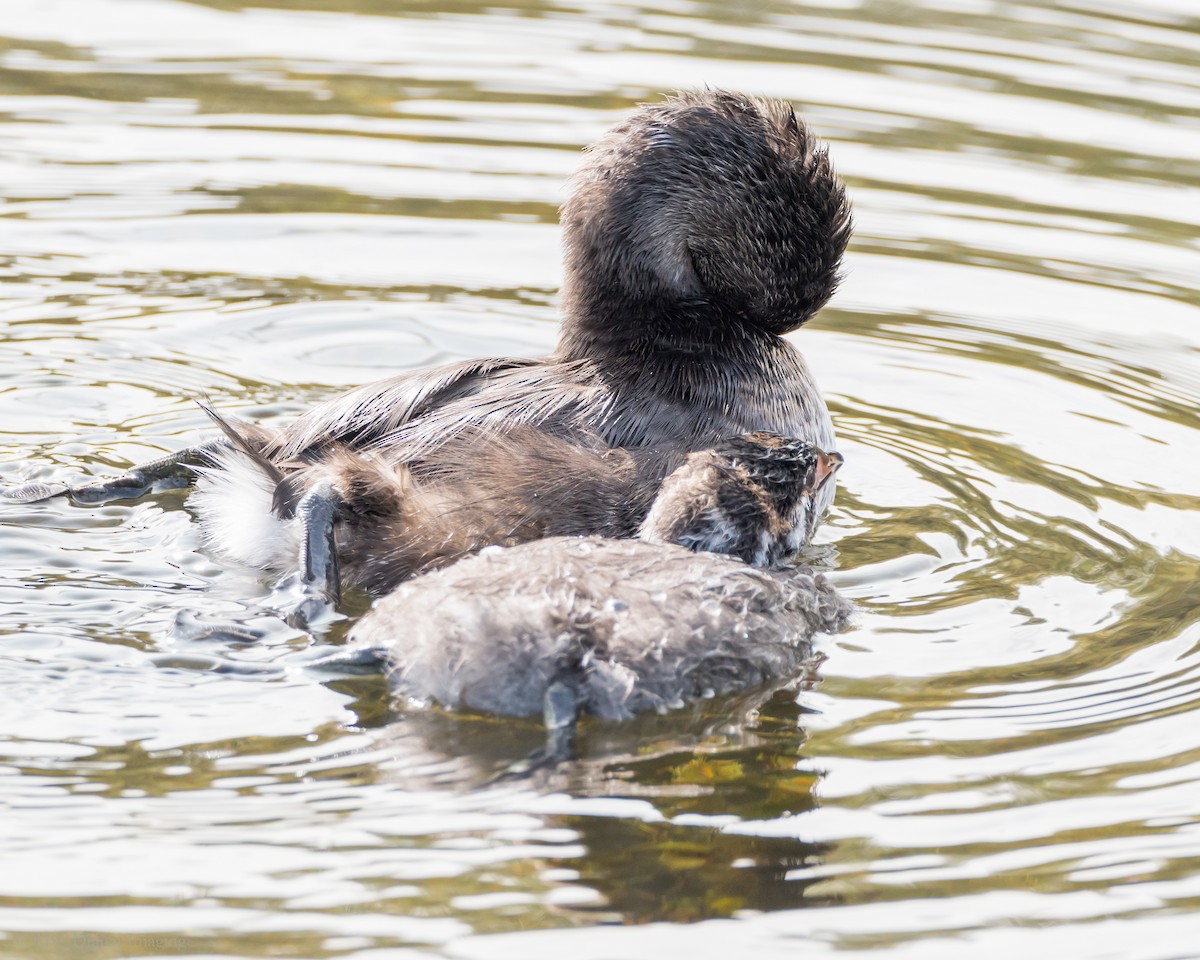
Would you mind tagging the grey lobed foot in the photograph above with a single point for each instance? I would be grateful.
(189, 627)
(172, 472)
(127, 486)
(35, 491)
(353, 660)
(302, 603)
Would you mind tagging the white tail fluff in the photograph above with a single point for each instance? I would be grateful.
(233, 499)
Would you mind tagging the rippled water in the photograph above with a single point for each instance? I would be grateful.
(266, 204)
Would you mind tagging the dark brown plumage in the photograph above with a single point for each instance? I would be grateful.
(571, 625)
(698, 232)
(754, 497)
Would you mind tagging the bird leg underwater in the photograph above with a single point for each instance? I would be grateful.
(172, 472)
(562, 704)
(303, 597)
(564, 699)
(560, 712)
(306, 598)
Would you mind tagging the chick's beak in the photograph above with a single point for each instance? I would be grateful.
(827, 465)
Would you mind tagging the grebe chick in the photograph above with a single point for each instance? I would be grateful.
(700, 230)
(357, 518)
(614, 627)
(372, 523)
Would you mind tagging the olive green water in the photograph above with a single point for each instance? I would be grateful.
(264, 204)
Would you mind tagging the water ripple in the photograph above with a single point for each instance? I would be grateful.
(265, 202)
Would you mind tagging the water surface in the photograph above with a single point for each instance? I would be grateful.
(266, 204)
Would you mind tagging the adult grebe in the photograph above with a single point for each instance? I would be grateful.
(699, 231)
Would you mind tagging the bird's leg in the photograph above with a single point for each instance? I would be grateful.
(166, 473)
(316, 586)
(305, 599)
(356, 660)
(560, 709)
(561, 706)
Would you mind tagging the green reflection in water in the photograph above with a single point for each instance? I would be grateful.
(1048, 771)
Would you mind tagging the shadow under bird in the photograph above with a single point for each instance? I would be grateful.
(569, 625)
(699, 231)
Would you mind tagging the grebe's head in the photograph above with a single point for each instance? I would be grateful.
(697, 218)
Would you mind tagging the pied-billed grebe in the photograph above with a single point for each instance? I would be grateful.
(370, 521)
(699, 231)
(614, 627)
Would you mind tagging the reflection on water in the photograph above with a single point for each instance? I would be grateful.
(266, 203)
